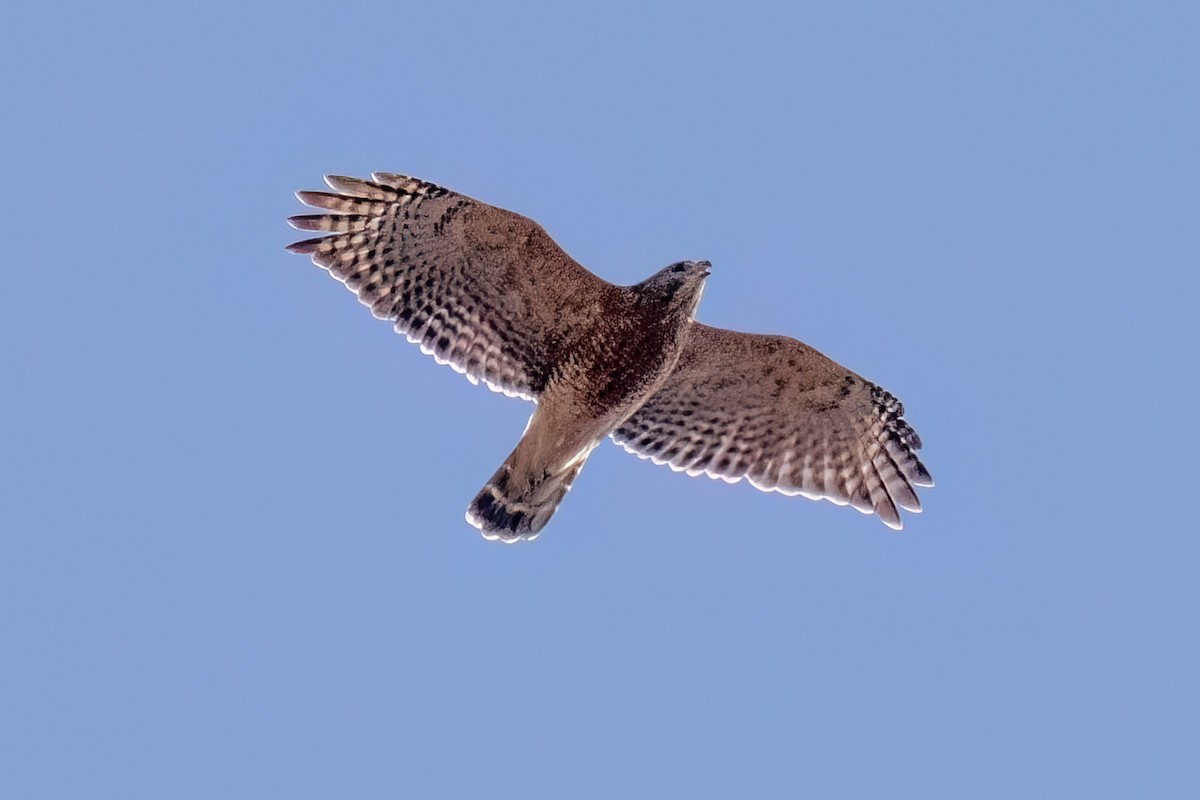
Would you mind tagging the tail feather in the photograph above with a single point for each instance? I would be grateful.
(513, 510)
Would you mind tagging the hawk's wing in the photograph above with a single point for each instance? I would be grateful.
(774, 410)
(482, 289)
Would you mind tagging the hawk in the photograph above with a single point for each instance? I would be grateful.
(489, 293)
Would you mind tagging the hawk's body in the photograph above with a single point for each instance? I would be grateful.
(488, 292)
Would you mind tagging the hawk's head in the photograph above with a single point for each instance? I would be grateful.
(678, 287)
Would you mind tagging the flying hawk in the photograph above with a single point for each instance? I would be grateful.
(488, 292)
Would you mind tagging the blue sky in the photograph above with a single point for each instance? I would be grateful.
(233, 561)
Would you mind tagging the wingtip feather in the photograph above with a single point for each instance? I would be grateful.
(359, 188)
(305, 247)
(334, 223)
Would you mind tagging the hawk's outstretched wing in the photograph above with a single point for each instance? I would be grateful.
(774, 410)
(482, 289)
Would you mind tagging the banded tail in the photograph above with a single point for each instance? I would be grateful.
(516, 504)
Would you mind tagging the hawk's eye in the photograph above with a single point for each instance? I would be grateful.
(679, 268)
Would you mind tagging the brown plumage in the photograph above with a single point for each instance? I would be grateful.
(488, 292)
